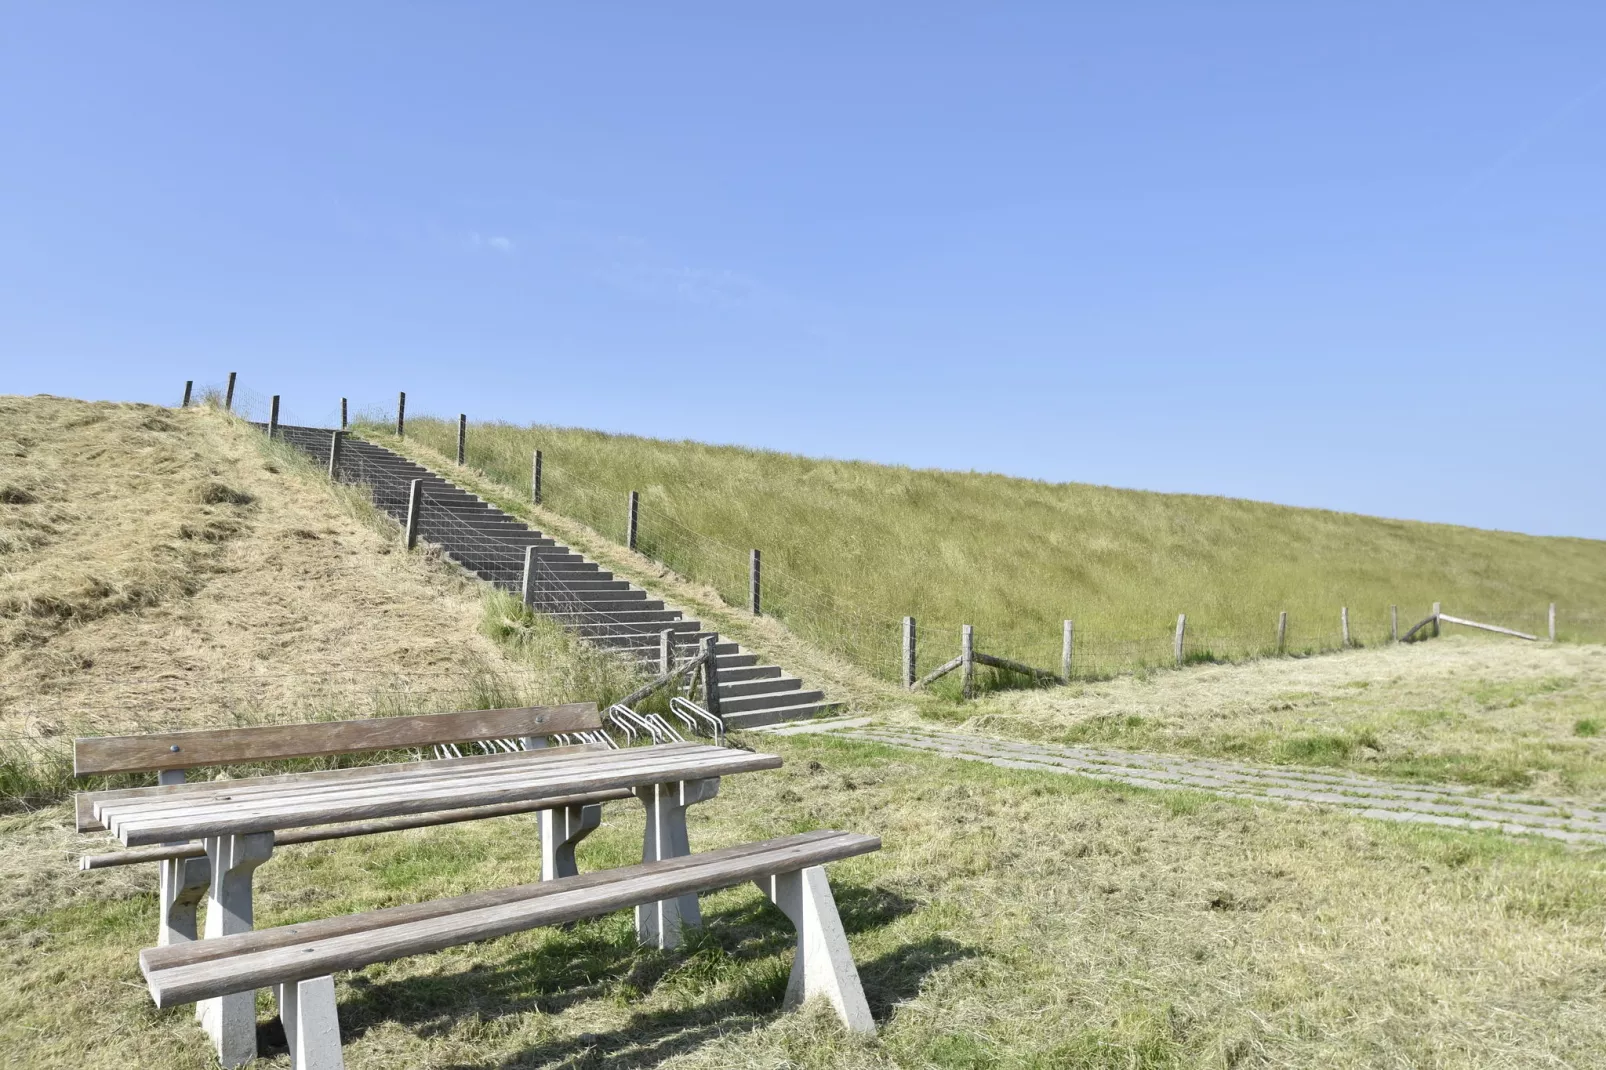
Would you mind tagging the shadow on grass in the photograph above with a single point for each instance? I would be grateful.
(740, 947)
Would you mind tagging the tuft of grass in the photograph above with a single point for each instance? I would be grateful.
(851, 547)
(1586, 726)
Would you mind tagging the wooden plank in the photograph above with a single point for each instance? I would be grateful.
(1014, 666)
(942, 670)
(554, 903)
(86, 801)
(218, 796)
(223, 746)
(1432, 619)
(137, 855)
(174, 956)
(1446, 618)
(665, 653)
(530, 765)
(265, 818)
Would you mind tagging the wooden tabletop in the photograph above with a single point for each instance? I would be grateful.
(269, 804)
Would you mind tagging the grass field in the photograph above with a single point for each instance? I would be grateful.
(1013, 920)
(850, 548)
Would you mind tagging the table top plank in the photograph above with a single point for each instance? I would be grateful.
(221, 794)
(293, 807)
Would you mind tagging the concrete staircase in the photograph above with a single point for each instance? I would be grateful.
(608, 612)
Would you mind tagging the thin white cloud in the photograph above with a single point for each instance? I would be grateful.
(499, 243)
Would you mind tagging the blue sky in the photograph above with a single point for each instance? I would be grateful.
(1345, 255)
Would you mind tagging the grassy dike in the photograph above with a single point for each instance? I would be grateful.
(850, 548)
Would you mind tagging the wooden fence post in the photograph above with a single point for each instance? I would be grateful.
(1182, 626)
(535, 478)
(967, 661)
(753, 573)
(1343, 622)
(1394, 624)
(630, 525)
(343, 423)
(228, 395)
(1552, 622)
(334, 455)
(666, 651)
(527, 594)
(1282, 631)
(908, 653)
(711, 674)
(273, 416)
(1436, 612)
(401, 414)
(415, 506)
(1067, 643)
(462, 437)
(189, 385)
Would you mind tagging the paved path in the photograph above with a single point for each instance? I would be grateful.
(1383, 800)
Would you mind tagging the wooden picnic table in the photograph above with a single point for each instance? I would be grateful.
(236, 820)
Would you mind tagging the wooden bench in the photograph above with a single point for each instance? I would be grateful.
(299, 961)
(185, 870)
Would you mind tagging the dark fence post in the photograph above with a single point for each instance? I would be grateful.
(228, 395)
(711, 674)
(415, 506)
(752, 585)
(343, 424)
(273, 416)
(528, 593)
(630, 525)
(462, 437)
(189, 385)
(535, 478)
(334, 455)
(401, 414)
(909, 652)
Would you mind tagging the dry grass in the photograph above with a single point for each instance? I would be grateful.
(1497, 713)
(1012, 920)
(173, 569)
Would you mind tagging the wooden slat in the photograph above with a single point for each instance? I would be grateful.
(224, 746)
(552, 903)
(86, 801)
(136, 833)
(532, 769)
(361, 828)
(379, 800)
(222, 795)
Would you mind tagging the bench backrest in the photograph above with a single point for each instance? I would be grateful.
(228, 746)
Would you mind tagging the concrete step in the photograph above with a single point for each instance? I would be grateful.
(572, 604)
(731, 673)
(623, 616)
(777, 714)
(749, 703)
(769, 685)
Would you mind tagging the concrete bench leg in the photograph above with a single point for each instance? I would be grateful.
(183, 885)
(231, 1021)
(561, 831)
(311, 1023)
(659, 924)
(824, 965)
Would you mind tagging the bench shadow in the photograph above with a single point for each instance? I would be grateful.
(600, 960)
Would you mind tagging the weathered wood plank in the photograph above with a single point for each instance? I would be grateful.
(137, 855)
(1447, 619)
(137, 833)
(223, 746)
(942, 670)
(1015, 666)
(562, 901)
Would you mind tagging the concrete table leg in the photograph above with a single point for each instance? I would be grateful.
(561, 831)
(231, 1021)
(659, 924)
(183, 885)
(823, 965)
(311, 1023)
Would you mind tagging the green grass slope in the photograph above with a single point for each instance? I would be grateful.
(851, 547)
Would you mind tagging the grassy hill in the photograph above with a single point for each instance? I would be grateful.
(850, 548)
